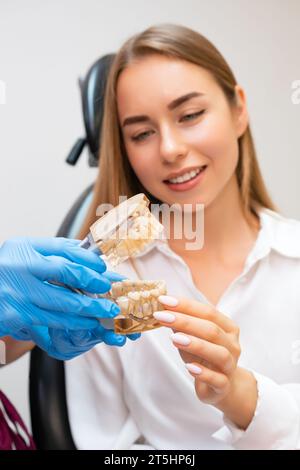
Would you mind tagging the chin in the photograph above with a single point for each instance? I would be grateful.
(181, 201)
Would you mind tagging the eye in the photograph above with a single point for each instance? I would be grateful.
(140, 137)
(190, 117)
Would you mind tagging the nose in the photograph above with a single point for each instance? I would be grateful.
(172, 146)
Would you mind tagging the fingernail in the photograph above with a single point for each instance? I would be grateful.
(168, 300)
(179, 338)
(194, 369)
(164, 317)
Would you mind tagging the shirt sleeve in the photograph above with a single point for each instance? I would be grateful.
(99, 417)
(276, 421)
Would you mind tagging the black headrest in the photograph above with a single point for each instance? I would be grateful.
(92, 89)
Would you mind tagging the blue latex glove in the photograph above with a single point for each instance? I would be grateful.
(67, 344)
(27, 299)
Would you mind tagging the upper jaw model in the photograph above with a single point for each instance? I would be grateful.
(125, 230)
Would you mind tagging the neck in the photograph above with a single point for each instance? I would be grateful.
(226, 229)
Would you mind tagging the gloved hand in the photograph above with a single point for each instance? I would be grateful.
(27, 265)
(67, 344)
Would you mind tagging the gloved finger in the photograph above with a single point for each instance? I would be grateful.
(75, 338)
(22, 335)
(60, 346)
(134, 336)
(54, 342)
(40, 336)
(60, 299)
(69, 249)
(87, 338)
(113, 339)
(113, 276)
(54, 268)
(58, 320)
(99, 334)
(70, 306)
(70, 343)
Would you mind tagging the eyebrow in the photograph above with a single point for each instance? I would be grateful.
(174, 104)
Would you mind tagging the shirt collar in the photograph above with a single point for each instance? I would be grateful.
(280, 233)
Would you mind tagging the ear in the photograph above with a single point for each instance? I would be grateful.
(240, 111)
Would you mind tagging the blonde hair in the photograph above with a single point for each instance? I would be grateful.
(115, 176)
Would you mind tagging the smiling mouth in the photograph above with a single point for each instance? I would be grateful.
(188, 176)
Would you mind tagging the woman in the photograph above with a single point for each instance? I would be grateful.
(176, 127)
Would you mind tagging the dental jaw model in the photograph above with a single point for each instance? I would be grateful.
(121, 233)
(137, 301)
(124, 231)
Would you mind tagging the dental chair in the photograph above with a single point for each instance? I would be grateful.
(48, 406)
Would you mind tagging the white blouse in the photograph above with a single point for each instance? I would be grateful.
(141, 396)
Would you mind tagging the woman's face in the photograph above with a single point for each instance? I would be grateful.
(182, 150)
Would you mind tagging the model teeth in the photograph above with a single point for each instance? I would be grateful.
(186, 177)
(138, 300)
(126, 230)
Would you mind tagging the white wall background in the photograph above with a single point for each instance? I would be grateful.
(46, 45)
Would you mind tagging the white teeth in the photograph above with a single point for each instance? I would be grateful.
(186, 177)
(134, 296)
(123, 303)
(154, 304)
(146, 308)
(137, 301)
(146, 294)
(117, 289)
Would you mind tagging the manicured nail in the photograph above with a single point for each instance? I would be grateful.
(194, 369)
(165, 317)
(168, 300)
(179, 338)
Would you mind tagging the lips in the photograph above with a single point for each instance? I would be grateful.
(187, 181)
(184, 176)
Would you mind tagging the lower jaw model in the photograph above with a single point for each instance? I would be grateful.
(138, 300)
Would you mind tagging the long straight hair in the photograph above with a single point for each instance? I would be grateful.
(116, 176)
